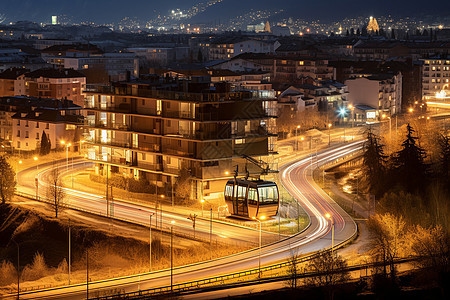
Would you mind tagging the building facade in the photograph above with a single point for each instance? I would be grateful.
(435, 77)
(24, 119)
(145, 132)
(379, 94)
(53, 84)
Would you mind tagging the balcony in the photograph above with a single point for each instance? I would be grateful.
(171, 95)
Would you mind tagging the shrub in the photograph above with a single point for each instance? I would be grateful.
(36, 270)
(8, 273)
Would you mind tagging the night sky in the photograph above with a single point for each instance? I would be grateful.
(104, 11)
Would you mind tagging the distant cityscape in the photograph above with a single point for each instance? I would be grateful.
(178, 20)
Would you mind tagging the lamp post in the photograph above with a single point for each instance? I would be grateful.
(69, 254)
(210, 235)
(329, 134)
(259, 256)
(328, 216)
(171, 255)
(37, 177)
(351, 107)
(202, 201)
(18, 268)
(296, 137)
(150, 244)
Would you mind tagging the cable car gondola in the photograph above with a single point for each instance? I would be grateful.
(251, 198)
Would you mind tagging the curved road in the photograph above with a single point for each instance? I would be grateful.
(135, 213)
(297, 180)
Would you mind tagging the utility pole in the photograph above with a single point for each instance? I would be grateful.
(87, 273)
(150, 244)
(18, 269)
(69, 258)
(210, 235)
(107, 191)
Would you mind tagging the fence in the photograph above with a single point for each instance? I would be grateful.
(217, 283)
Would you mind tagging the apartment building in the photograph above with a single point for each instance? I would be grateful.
(24, 119)
(226, 48)
(435, 77)
(161, 56)
(375, 94)
(154, 128)
(324, 95)
(8, 80)
(100, 68)
(291, 69)
(52, 83)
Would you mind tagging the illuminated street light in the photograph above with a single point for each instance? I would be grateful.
(411, 110)
(150, 239)
(259, 264)
(202, 201)
(328, 216)
(329, 134)
(227, 173)
(296, 136)
(171, 255)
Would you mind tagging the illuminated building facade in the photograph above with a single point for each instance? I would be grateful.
(435, 77)
(153, 129)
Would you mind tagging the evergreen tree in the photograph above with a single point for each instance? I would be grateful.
(352, 31)
(410, 170)
(347, 33)
(358, 32)
(374, 161)
(7, 180)
(393, 34)
(45, 144)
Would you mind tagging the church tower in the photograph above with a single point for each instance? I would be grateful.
(373, 25)
(267, 27)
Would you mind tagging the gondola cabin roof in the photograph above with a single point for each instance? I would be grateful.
(250, 183)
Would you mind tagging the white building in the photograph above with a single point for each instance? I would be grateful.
(435, 77)
(30, 117)
(375, 95)
(255, 46)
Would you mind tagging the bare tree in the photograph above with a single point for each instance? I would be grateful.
(55, 191)
(388, 238)
(330, 269)
(432, 247)
(293, 268)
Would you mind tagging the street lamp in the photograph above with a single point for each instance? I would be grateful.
(329, 134)
(351, 107)
(202, 201)
(296, 137)
(171, 255)
(18, 268)
(328, 216)
(150, 238)
(259, 257)
(343, 113)
(37, 177)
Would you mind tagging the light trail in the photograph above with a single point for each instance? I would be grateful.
(316, 237)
